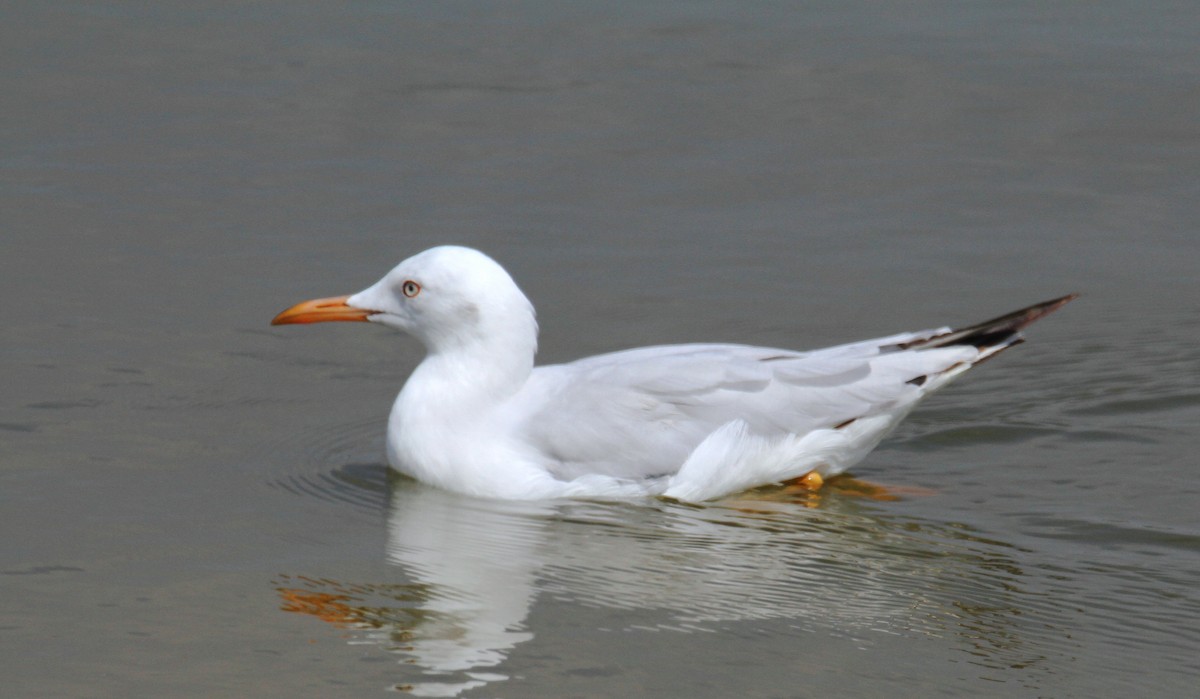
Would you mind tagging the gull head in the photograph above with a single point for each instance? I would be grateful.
(449, 297)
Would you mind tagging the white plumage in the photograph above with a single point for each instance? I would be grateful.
(692, 422)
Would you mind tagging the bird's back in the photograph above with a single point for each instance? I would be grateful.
(640, 413)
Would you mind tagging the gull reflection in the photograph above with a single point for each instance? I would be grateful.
(474, 569)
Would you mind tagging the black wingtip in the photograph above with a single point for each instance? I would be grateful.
(996, 331)
(1013, 322)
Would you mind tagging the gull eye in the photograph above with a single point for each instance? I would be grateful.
(411, 288)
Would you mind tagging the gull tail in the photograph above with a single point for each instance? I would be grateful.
(992, 336)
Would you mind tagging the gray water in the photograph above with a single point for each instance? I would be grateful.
(194, 503)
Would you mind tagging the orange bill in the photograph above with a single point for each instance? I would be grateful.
(321, 311)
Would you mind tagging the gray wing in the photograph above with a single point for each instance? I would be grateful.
(640, 413)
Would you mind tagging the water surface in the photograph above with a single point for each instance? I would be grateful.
(194, 503)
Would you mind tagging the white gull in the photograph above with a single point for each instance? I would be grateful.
(691, 422)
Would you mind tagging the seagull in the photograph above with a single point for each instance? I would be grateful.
(691, 422)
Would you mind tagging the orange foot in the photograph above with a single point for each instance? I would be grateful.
(810, 481)
(811, 485)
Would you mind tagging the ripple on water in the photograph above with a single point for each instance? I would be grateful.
(994, 434)
(335, 466)
(475, 570)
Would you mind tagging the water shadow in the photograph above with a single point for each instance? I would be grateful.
(474, 569)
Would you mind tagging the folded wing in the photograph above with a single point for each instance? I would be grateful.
(641, 413)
